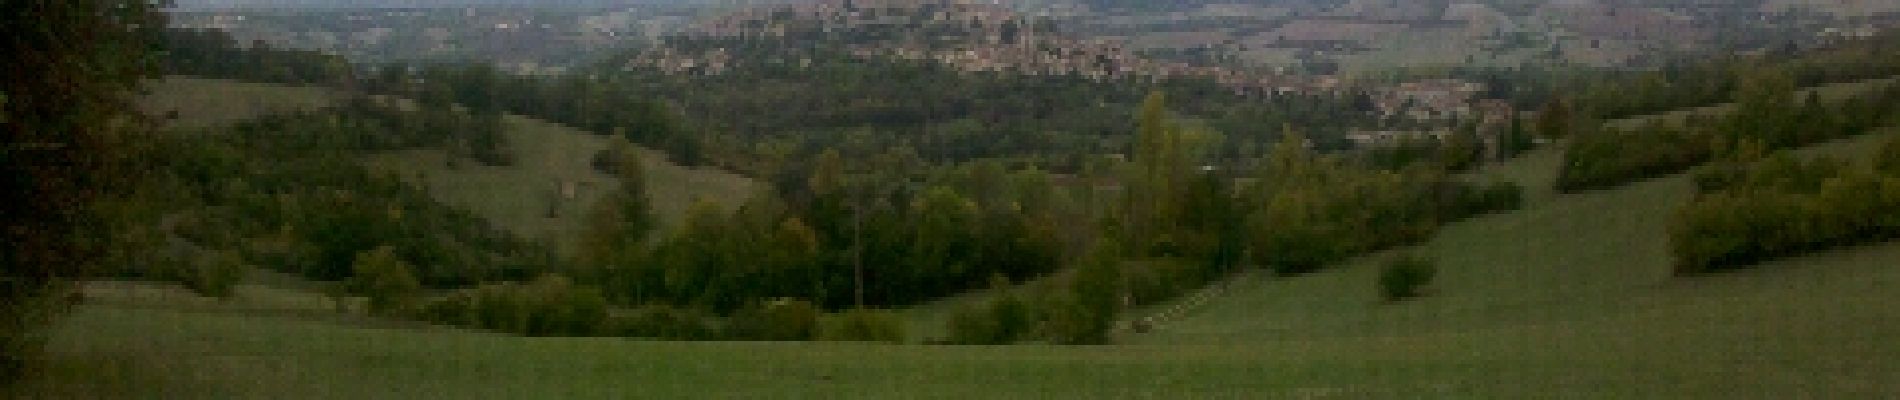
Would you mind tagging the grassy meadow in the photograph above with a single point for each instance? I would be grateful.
(200, 102)
(548, 156)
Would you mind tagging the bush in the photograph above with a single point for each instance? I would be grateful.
(1087, 312)
(1002, 320)
(1070, 321)
(214, 273)
(501, 308)
(549, 306)
(777, 320)
(388, 281)
(557, 307)
(1154, 281)
(864, 325)
(1404, 275)
(1610, 157)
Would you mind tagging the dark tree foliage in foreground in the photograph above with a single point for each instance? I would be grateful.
(67, 69)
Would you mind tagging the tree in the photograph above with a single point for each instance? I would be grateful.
(389, 282)
(1160, 166)
(1088, 312)
(620, 224)
(69, 68)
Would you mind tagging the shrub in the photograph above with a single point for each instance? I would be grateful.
(1404, 275)
(1070, 321)
(777, 320)
(1153, 281)
(388, 281)
(549, 306)
(501, 307)
(1610, 157)
(662, 322)
(214, 273)
(1004, 319)
(864, 325)
(557, 307)
(1087, 312)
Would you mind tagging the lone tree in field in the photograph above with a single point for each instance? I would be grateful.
(67, 69)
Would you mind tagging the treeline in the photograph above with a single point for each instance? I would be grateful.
(1315, 211)
(898, 241)
(1753, 211)
(288, 192)
(1767, 113)
(1715, 80)
(574, 100)
(213, 53)
(1177, 227)
(556, 306)
(770, 108)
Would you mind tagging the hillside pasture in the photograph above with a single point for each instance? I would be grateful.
(201, 103)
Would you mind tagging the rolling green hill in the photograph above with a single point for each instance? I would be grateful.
(516, 197)
(549, 156)
(1569, 297)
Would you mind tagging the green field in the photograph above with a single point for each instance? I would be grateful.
(1569, 298)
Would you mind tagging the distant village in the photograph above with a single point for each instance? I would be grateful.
(988, 38)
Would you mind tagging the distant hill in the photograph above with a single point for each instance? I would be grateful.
(344, 4)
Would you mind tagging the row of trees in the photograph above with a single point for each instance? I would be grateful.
(1784, 206)
(765, 112)
(1713, 80)
(213, 53)
(1316, 210)
(1177, 226)
(579, 101)
(1766, 114)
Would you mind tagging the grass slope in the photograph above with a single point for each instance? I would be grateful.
(518, 197)
(201, 102)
